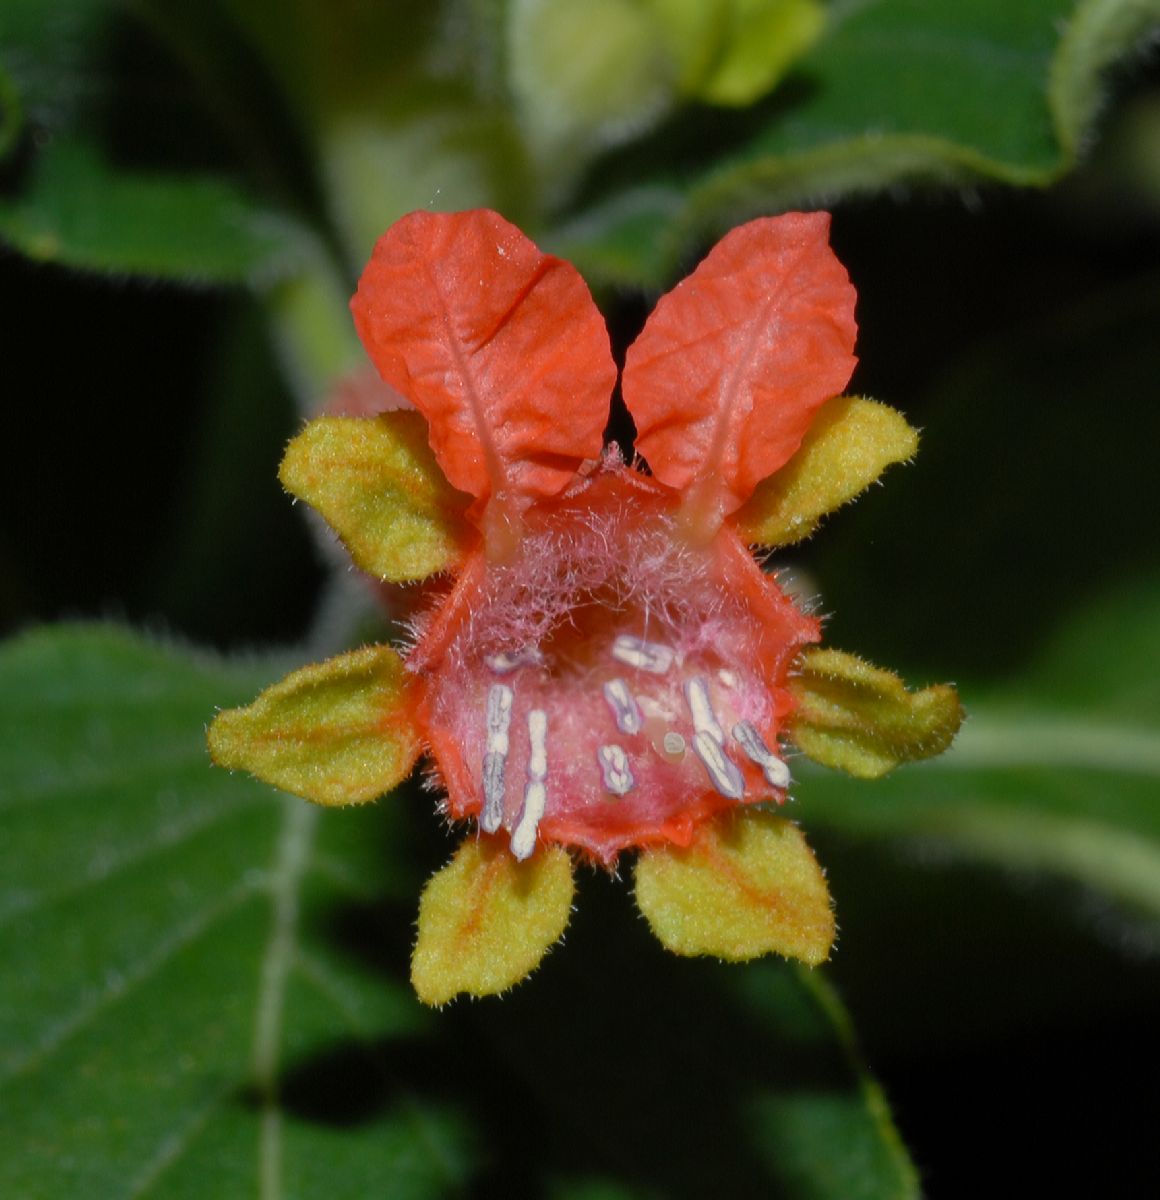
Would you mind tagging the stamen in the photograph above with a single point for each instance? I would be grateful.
(646, 656)
(507, 661)
(701, 709)
(491, 818)
(499, 717)
(536, 793)
(775, 771)
(615, 770)
(538, 735)
(624, 709)
(524, 835)
(722, 771)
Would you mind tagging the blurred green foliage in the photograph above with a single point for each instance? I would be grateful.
(205, 980)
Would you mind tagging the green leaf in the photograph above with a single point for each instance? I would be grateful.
(205, 993)
(46, 61)
(174, 978)
(79, 211)
(132, 115)
(1098, 33)
(896, 90)
(1055, 773)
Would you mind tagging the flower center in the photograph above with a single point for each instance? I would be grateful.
(609, 685)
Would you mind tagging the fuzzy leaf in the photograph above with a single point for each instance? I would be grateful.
(177, 1009)
(862, 720)
(850, 443)
(486, 920)
(377, 483)
(498, 345)
(81, 211)
(337, 732)
(747, 886)
(896, 91)
(733, 363)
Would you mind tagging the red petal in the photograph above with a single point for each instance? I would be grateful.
(726, 376)
(498, 345)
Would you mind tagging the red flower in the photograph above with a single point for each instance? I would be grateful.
(609, 669)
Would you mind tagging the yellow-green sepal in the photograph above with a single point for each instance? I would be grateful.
(747, 886)
(337, 732)
(486, 919)
(850, 443)
(377, 483)
(862, 720)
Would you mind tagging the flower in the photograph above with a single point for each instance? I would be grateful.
(608, 669)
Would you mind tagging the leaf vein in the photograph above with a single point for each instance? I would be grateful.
(62, 1031)
(166, 837)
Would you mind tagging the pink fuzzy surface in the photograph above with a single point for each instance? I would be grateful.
(607, 559)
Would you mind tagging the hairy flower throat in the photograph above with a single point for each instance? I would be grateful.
(608, 684)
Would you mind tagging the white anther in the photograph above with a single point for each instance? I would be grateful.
(775, 771)
(491, 818)
(499, 718)
(701, 709)
(646, 656)
(623, 706)
(722, 771)
(673, 744)
(528, 822)
(727, 678)
(507, 661)
(536, 793)
(538, 736)
(614, 769)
